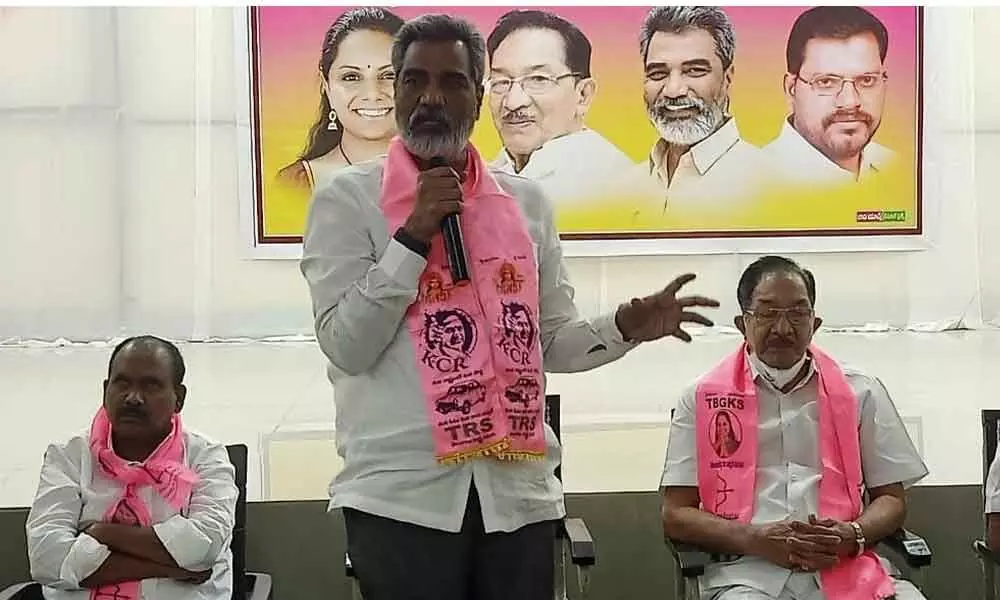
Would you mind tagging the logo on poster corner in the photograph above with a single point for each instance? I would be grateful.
(881, 216)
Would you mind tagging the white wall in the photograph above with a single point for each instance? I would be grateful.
(118, 177)
(118, 165)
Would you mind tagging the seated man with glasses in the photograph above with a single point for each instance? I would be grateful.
(835, 88)
(540, 90)
(769, 454)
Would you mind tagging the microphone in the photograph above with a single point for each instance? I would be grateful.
(454, 245)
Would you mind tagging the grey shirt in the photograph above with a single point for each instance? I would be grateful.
(788, 461)
(362, 282)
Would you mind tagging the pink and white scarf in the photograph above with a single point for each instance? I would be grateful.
(477, 344)
(164, 470)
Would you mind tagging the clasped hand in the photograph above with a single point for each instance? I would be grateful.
(662, 314)
(812, 546)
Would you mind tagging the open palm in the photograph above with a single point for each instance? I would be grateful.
(662, 314)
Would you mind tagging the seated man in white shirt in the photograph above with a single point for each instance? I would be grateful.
(137, 506)
(768, 454)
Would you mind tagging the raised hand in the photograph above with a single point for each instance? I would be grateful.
(662, 314)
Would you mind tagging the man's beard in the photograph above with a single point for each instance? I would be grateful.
(690, 130)
(430, 133)
(842, 147)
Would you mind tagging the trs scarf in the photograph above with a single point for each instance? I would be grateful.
(477, 344)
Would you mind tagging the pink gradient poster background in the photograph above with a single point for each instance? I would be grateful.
(287, 43)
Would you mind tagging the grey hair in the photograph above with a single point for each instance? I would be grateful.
(442, 28)
(678, 19)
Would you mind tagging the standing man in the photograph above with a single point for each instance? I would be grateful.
(835, 89)
(540, 90)
(700, 162)
(448, 487)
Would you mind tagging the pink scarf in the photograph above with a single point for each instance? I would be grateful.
(477, 345)
(164, 470)
(726, 416)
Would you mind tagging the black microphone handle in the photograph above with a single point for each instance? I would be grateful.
(454, 244)
(454, 247)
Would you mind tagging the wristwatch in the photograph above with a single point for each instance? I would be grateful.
(859, 537)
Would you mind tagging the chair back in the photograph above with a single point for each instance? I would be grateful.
(552, 418)
(238, 456)
(31, 591)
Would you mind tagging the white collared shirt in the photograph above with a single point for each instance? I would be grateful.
(716, 174)
(788, 461)
(793, 160)
(572, 169)
(72, 494)
(992, 487)
(362, 281)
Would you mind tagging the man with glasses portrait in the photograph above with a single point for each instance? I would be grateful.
(540, 90)
(835, 88)
(784, 504)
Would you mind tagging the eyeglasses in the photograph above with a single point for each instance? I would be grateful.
(531, 84)
(832, 85)
(769, 316)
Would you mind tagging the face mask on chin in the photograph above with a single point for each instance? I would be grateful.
(779, 378)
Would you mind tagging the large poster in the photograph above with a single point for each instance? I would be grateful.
(647, 124)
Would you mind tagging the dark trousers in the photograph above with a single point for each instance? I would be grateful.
(400, 561)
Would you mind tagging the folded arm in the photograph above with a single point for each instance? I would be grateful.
(138, 542)
(58, 554)
(196, 541)
(358, 301)
(118, 568)
(193, 542)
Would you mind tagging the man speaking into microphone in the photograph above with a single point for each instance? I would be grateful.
(448, 486)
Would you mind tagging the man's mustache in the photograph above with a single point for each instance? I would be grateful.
(516, 116)
(844, 116)
(662, 107)
(134, 413)
(434, 114)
